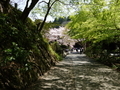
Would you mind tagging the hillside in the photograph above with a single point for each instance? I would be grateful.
(24, 53)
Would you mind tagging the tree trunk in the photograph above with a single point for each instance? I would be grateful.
(4, 6)
(43, 23)
(48, 10)
(28, 9)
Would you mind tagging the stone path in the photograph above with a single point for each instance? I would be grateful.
(77, 72)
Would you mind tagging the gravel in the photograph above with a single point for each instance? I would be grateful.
(78, 72)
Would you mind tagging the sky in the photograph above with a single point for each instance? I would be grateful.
(21, 6)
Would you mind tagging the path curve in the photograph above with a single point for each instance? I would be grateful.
(77, 72)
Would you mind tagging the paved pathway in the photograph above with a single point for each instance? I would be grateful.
(77, 72)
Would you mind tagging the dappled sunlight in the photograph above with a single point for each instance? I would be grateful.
(77, 72)
(75, 54)
(104, 70)
(80, 62)
(51, 78)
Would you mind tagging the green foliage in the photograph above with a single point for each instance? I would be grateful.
(13, 42)
(16, 54)
(61, 21)
(24, 54)
(57, 50)
(98, 24)
(58, 8)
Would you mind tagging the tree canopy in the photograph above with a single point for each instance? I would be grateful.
(97, 21)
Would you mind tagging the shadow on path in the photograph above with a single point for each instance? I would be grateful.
(77, 72)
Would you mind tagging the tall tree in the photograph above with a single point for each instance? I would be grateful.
(4, 6)
(28, 8)
(46, 6)
(96, 21)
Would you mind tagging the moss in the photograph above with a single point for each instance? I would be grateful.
(24, 50)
